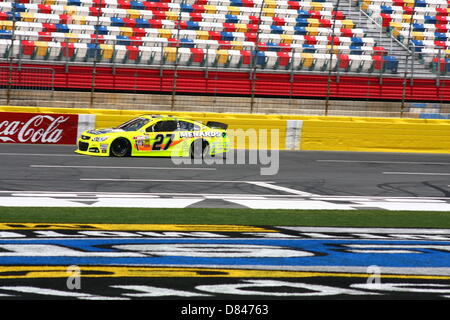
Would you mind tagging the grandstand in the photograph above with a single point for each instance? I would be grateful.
(371, 57)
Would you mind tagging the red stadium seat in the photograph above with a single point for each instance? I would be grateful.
(129, 22)
(97, 38)
(123, 4)
(197, 55)
(196, 16)
(283, 59)
(334, 41)
(99, 3)
(277, 21)
(229, 27)
(64, 18)
(198, 8)
(246, 57)
(136, 41)
(378, 62)
(67, 49)
(251, 36)
(93, 11)
(155, 23)
(49, 27)
(214, 35)
(45, 36)
(294, 5)
(44, 8)
(252, 28)
(344, 61)
(132, 52)
(27, 47)
(310, 40)
(224, 44)
(254, 20)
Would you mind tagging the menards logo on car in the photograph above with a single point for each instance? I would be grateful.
(197, 134)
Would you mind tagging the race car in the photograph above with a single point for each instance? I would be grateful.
(156, 135)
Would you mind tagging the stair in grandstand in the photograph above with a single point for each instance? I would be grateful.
(352, 11)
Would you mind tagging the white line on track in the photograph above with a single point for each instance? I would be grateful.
(420, 173)
(263, 184)
(280, 188)
(39, 154)
(111, 167)
(385, 162)
(171, 180)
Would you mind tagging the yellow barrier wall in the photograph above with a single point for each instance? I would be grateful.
(316, 132)
(392, 135)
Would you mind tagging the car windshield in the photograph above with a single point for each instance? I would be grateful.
(133, 125)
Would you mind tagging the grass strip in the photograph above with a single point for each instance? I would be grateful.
(256, 217)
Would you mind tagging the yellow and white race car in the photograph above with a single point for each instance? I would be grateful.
(156, 135)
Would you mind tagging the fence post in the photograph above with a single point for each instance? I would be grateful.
(96, 49)
(333, 35)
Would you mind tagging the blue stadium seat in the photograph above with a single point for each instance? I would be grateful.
(230, 18)
(117, 22)
(5, 34)
(418, 45)
(93, 50)
(74, 3)
(63, 28)
(309, 48)
(430, 19)
(300, 31)
(137, 5)
(438, 36)
(420, 27)
(303, 14)
(386, 9)
(356, 41)
(103, 30)
(142, 23)
(193, 25)
(301, 22)
(391, 63)
(123, 40)
(226, 36)
(186, 7)
(276, 29)
(187, 43)
(18, 7)
(355, 50)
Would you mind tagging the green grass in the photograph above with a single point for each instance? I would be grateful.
(337, 218)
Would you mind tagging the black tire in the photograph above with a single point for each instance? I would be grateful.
(199, 149)
(120, 147)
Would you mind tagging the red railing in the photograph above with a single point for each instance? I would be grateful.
(241, 83)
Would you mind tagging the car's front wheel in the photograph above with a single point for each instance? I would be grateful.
(120, 147)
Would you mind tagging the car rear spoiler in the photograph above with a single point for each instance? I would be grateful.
(217, 125)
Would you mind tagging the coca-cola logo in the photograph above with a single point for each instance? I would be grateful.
(39, 128)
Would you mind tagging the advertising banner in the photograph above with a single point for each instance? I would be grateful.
(38, 128)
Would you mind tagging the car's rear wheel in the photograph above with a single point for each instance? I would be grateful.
(120, 148)
(200, 149)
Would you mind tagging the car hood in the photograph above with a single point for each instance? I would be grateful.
(104, 131)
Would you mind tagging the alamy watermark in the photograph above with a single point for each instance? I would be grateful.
(73, 281)
(256, 147)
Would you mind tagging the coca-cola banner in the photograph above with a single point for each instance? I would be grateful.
(39, 128)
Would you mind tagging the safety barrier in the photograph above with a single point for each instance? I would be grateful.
(296, 132)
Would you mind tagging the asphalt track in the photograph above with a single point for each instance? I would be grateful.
(37, 266)
(58, 168)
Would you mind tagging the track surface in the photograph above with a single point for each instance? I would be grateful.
(58, 168)
(292, 264)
